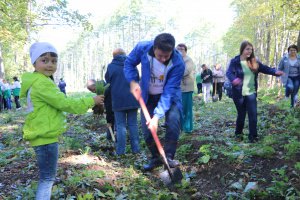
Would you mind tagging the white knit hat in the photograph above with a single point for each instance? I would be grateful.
(40, 48)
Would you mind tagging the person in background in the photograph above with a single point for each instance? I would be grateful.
(7, 95)
(62, 85)
(290, 65)
(162, 69)
(206, 77)
(124, 105)
(46, 120)
(187, 89)
(242, 73)
(16, 87)
(218, 79)
(199, 83)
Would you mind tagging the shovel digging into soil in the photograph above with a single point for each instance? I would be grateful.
(171, 175)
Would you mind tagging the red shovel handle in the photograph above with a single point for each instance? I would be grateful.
(153, 132)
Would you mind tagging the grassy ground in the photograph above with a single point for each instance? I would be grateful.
(214, 165)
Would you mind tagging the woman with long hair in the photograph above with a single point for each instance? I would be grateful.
(242, 73)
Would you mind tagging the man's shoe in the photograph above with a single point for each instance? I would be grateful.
(173, 163)
(238, 138)
(253, 140)
(154, 162)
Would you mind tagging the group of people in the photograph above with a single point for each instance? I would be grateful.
(208, 79)
(165, 83)
(8, 90)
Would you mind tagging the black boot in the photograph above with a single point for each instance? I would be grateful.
(170, 149)
(155, 161)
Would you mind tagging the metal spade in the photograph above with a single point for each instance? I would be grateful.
(215, 97)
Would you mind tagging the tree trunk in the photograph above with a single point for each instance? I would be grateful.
(1, 63)
(298, 41)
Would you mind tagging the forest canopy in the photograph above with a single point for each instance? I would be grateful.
(271, 25)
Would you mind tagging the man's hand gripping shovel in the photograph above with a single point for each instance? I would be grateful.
(171, 175)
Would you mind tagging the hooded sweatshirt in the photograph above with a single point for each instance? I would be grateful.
(45, 105)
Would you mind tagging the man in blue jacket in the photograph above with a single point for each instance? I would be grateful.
(162, 69)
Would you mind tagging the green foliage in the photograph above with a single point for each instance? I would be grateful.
(269, 140)
(264, 151)
(72, 143)
(184, 150)
(206, 150)
(262, 22)
(297, 166)
(101, 87)
(87, 196)
(281, 186)
(292, 148)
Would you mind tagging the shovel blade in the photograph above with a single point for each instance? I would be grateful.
(169, 179)
(215, 98)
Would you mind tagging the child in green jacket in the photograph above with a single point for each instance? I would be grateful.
(46, 105)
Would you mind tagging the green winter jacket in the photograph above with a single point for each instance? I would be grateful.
(46, 105)
(7, 94)
(16, 92)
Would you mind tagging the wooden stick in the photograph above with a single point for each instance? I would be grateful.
(112, 134)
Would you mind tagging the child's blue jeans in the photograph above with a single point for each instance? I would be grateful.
(47, 157)
(123, 119)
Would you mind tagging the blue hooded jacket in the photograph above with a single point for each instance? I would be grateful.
(171, 91)
(122, 99)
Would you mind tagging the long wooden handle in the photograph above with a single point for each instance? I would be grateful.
(154, 134)
(112, 134)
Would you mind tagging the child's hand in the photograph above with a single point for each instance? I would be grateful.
(99, 99)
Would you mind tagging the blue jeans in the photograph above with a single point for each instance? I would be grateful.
(291, 88)
(47, 157)
(8, 103)
(172, 123)
(246, 104)
(129, 118)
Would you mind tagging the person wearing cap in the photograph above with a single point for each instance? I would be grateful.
(124, 105)
(162, 69)
(46, 120)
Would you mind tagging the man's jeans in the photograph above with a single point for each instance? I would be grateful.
(129, 118)
(172, 122)
(246, 104)
(47, 156)
(292, 87)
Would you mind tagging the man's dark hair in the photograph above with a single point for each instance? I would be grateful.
(164, 42)
(293, 46)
